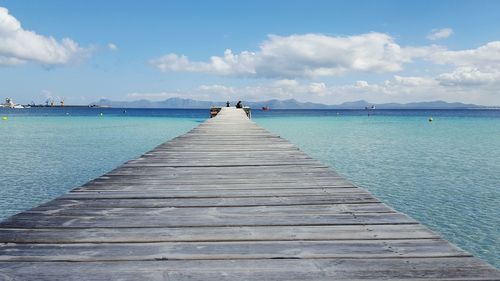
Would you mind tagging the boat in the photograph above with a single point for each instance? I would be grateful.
(266, 108)
(9, 103)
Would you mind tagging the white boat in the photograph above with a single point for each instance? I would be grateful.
(10, 104)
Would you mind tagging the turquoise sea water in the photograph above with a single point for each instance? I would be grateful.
(445, 174)
(45, 155)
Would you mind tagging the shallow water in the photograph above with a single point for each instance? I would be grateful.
(45, 156)
(445, 174)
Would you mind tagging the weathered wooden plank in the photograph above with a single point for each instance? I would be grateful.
(210, 202)
(165, 187)
(270, 172)
(414, 248)
(26, 220)
(242, 211)
(256, 270)
(169, 179)
(211, 163)
(215, 193)
(214, 234)
(264, 181)
(232, 170)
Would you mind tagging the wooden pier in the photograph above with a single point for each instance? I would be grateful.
(226, 201)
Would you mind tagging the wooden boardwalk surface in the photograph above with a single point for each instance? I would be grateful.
(226, 201)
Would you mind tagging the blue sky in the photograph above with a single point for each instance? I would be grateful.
(322, 51)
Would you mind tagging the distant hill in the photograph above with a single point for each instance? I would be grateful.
(283, 104)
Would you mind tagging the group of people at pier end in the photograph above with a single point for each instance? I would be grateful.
(238, 104)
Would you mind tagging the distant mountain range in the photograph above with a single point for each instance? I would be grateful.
(283, 104)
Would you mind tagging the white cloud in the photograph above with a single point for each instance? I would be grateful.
(484, 56)
(469, 76)
(221, 89)
(229, 64)
(316, 55)
(318, 88)
(309, 55)
(442, 33)
(479, 66)
(18, 45)
(154, 96)
(294, 60)
(450, 87)
(10, 61)
(413, 81)
(279, 89)
(203, 92)
(112, 47)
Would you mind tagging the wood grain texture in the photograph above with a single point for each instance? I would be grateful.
(226, 201)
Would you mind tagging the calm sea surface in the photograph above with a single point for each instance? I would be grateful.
(445, 174)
